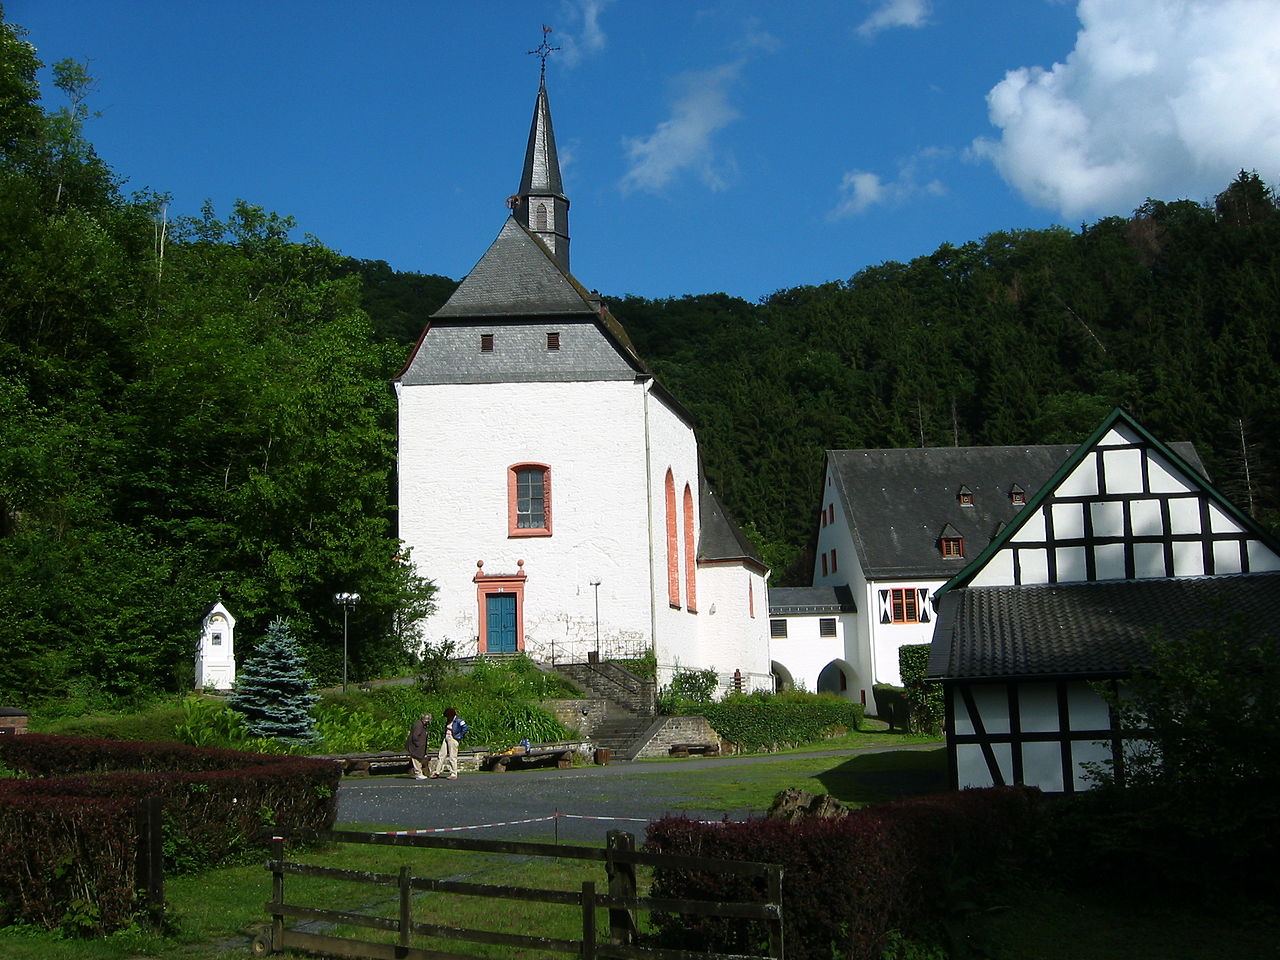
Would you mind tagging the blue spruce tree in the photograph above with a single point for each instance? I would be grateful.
(273, 691)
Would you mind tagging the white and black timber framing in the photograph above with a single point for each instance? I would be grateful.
(1124, 542)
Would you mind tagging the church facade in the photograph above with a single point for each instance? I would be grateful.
(549, 485)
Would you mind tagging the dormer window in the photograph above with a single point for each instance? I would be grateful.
(486, 343)
(965, 497)
(1017, 495)
(553, 340)
(951, 543)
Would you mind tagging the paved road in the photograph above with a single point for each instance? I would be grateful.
(579, 805)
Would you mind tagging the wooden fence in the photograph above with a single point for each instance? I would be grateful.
(621, 900)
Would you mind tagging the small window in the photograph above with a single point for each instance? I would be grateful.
(1017, 495)
(824, 564)
(965, 497)
(553, 340)
(486, 343)
(778, 629)
(824, 516)
(904, 605)
(217, 639)
(827, 627)
(952, 547)
(834, 566)
(831, 513)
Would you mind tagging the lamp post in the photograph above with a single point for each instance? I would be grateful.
(346, 601)
(596, 583)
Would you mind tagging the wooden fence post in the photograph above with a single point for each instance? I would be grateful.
(622, 884)
(405, 921)
(776, 943)
(151, 856)
(277, 893)
(588, 920)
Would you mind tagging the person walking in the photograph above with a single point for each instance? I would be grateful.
(416, 745)
(455, 728)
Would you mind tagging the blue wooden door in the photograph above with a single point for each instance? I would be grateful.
(500, 622)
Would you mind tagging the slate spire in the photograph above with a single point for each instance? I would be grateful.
(540, 205)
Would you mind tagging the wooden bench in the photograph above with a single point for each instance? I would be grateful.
(689, 749)
(561, 754)
(365, 765)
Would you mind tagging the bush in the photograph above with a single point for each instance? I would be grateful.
(847, 884)
(767, 721)
(688, 692)
(892, 706)
(68, 833)
(925, 700)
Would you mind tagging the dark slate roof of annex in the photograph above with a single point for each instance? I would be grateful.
(899, 501)
(784, 601)
(720, 537)
(1094, 629)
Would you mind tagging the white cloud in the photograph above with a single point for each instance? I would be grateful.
(589, 37)
(861, 190)
(895, 13)
(685, 141)
(1159, 98)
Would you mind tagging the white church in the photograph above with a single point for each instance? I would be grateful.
(549, 484)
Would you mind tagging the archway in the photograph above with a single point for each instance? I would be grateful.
(782, 679)
(840, 678)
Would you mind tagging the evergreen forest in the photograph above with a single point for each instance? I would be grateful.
(198, 408)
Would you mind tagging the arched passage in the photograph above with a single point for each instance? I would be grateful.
(840, 678)
(782, 679)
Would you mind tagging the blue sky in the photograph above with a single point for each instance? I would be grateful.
(742, 146)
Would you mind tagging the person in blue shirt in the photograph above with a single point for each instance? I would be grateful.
(455, 728)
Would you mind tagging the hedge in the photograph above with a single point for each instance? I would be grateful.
(848, 883)
(69, 844)
(767, 722)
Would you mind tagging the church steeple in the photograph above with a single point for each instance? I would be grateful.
(540, 205)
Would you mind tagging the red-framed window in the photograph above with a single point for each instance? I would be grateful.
(673, 543)
(904, 605)
(690, 555)
(952, 547)
(529, 500)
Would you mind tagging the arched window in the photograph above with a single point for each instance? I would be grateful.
(529, 500)
(673, 544)
(540, 218)
(690, 555)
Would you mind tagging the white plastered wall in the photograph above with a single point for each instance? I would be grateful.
(733, 623)
(457, 442)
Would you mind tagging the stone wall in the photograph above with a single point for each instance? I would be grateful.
(672, 730)
(13, 720)
(571, 713)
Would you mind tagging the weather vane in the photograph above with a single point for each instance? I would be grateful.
(544, 50)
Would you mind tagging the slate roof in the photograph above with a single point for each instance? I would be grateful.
(784, 601)
(720, 538)
(1092, 629)
(899, 501)
(517, 276)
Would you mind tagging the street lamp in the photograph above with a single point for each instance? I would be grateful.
(596, 583)
(346, 601)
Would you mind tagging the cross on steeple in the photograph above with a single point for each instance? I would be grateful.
(544, 49)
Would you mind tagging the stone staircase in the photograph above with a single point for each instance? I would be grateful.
(629, 705)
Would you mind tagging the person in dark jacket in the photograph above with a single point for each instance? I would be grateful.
(416, 745)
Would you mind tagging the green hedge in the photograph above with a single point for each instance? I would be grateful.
(924, 697)
(759, 721)
(68, 823)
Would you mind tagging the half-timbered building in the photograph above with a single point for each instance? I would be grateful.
(1126, 540)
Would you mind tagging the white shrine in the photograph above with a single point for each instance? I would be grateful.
(216, 652)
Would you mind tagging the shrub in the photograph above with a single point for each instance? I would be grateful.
(68, 833)
(688, 692)
(847, 884)
(892, 706)
(766, 721)
(925, 700)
